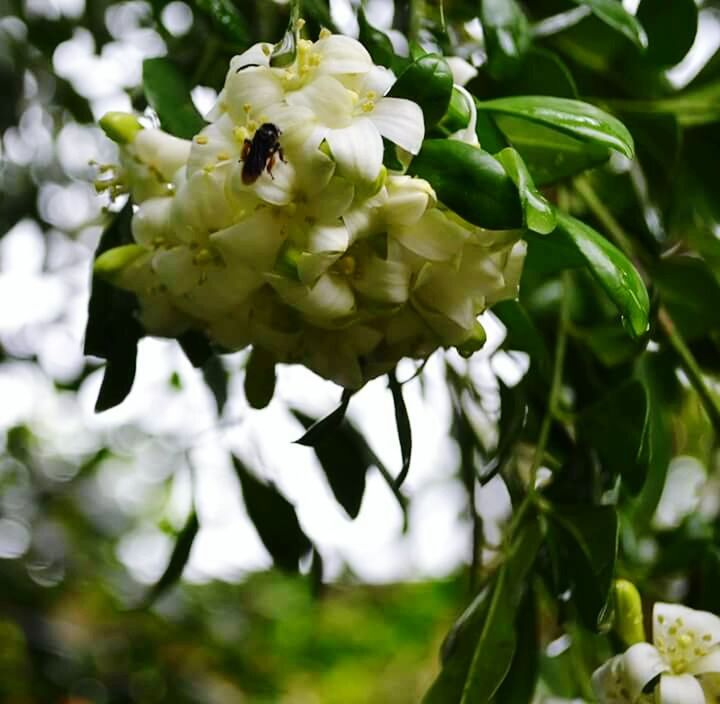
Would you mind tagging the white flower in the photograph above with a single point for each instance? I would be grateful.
(682, 665)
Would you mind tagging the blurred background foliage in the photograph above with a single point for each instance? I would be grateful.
(90, 509)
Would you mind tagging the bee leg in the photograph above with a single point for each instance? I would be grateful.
(280, 153)
(270, 164)
(247, 144)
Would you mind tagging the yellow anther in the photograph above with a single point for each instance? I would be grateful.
(266, 49)
(315, 59)
(209, 168)
(368, 106)
(700, 652)
(661, 619)
(679, 665)
(158, 242)
(353, 96)
(202, 257)
(240, 134)
(371, 95)
(347, 266)
(299, 24)
(325, 33)
(686, 639)
(223, 156)
(201, 139)
(247, 107)
(679, 622)
(672, 630)
(252, 125)
(707, 637)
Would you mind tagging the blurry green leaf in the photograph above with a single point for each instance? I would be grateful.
(216, 379)
(610, 343)
(226, 18)
(538, 213)
(615, 427)
(671, 26)
(542, 73)
(197, 347)
(478, 652)
(259, 378)
(427, 81)
(376, 42)
(345, 459)
(616, 16)
(178, 559)
(469, 181)
(590, 537)
(168, 93)
(112, 330)
(523, 334)
(274, 518)
(575, 244)
(402, 423)
(325, 427)
(580, 120)
(507, 36)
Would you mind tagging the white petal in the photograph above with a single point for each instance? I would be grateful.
(512, 272)
(642, 663)
(151, 221)
(313, 169)
(461, 70)
(277, 187)
(401, 121)
(705, 664)
(333, 201)
(671, 622)
(378, 80)
(408, 199)
(608, 683)
(257, 54)
(438, 291)
(468, 134)
(341, 54)
(328, 239)
(384, 281)
(330, 102)
(213, 145)
(310, 267)
(257, 88)
(434, 236)
(680, 689)
(331, 297)
(176, 270)
(358, 151)
(161, 151)
(254, 241)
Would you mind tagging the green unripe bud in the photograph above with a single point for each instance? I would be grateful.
(476, 341)
(121, 127)
(628, 623)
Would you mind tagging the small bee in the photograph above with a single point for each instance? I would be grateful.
(258, 154)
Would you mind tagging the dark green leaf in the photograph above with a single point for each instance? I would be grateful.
(539, 215)
(469, 181)
(523, 335)
(345, 458)
(226, 18)
(402, 423)
(457, 118)
(590, 538)
(178, 559)
(376, 42)
(507, 36)
(323, 428)
(274, 519)
(168, 93)
(112, 330)
(616, 16)
(615, 428)
(427, 81)
(216, 378)
(575, 244)
(260, 378)
(671, 26)
(580, 120)
(542, 73)
(196, 347)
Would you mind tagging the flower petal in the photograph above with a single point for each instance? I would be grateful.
(161, 151)
(330, 102)
(357, 150)
(642, 663)
(250, 91)
(674, 624)
(462, 71)
(378, 80)
(705, 664)
(330, 298)
(408, 199)
(151, 221)
(341, 54)
(434, 236)
(328, 239)
(213, 145)
(401, 121)
(608, 683)
(334, 200)
(383, 281)
(680, 689)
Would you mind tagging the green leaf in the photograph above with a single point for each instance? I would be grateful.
(402, 423)
(507, 36)
(616, 16)
(539, 215)
(542, 73)
(671, 26)
(427, 81)
(112, 330)
(469, 181)
(573, 117)
(178, 559)
(274, 519)
(197, 347)
(168, 93)
(479, 650)
(323, 428)
(589, 535)
(616, 427)
(345, 458)
(226, 18)
(260, 378)
(576, 244)
(523, 335)
(216, 378)
(376, 42)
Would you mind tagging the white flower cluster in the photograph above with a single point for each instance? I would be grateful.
(278, 225)
(682, 665)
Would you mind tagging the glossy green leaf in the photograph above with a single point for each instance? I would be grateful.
(523, 334)
(345, 459)
(178, 559)
(616, 16)
(576, 244)
(112, 330)
(427, 81)
(260, 378)
(507, 36)
(671, 26)
(226, 18)
(469, 181)
(478, 652)
(543, 72)
(573, 117)
(324, 427)
(376, 42)
(590, 541)
(402, 423)
(274, 519)
(168, 93)
(539, 215)
(615, 427)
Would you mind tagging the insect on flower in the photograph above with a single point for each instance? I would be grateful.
(259, 153)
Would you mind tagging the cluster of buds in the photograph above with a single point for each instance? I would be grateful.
(278, 226)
